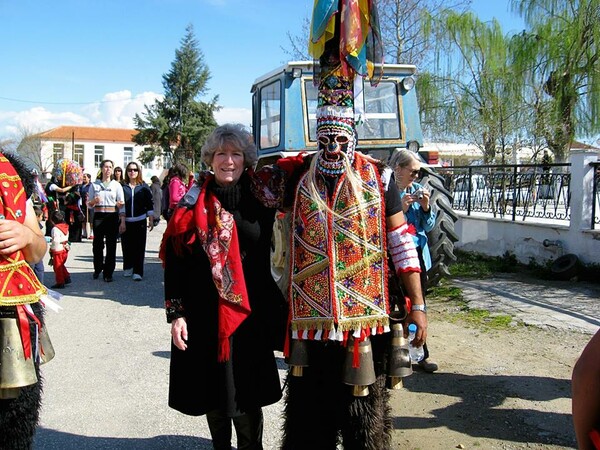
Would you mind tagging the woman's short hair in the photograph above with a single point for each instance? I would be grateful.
(233, 135)
(402, 158)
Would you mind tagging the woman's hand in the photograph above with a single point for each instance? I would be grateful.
(179, 333)
(424, 200)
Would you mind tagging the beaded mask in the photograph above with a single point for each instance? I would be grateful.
(336, 134)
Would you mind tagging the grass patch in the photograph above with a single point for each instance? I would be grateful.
(454, 308)
(476, 265)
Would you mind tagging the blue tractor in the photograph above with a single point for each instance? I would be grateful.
(284, 104)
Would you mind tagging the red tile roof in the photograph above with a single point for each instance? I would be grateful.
(90, 134)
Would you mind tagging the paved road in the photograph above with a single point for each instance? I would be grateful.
(107, 386)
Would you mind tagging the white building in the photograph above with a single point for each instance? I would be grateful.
(89, 146)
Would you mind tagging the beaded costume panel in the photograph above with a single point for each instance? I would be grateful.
(339, 279)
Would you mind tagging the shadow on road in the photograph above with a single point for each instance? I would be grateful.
(480, 407)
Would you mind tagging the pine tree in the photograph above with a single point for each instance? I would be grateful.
(177, 126)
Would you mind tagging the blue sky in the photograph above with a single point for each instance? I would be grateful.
(97, 62)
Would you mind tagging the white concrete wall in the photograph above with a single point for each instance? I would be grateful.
(525, 240)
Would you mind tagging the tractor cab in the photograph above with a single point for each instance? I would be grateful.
(284, 104)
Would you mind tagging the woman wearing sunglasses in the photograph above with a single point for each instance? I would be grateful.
(139, 215)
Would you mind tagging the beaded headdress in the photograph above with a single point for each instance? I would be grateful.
(345, 40)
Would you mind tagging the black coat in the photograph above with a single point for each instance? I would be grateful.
(198, 382)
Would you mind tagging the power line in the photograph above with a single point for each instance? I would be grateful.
(62, 103)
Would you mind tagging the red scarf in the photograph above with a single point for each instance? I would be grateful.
(216, 229)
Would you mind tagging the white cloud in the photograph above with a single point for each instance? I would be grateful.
(117, 109)
(234, 115)
(114, 110)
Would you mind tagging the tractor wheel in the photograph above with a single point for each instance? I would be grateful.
(442, 237)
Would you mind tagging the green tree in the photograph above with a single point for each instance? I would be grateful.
(560, 51)
(476, 96)
(176, 126)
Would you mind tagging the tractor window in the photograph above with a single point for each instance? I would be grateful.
(381, 111)
(381, 119)
(270, 115)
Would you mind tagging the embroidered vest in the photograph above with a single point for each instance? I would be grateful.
(18, 283)
(338, 273)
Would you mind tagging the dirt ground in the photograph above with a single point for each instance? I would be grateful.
(507, 389)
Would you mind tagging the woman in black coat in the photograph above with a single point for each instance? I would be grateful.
(226, 313)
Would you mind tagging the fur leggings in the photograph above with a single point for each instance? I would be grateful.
(320, 409)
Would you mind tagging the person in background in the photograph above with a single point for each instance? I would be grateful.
(87, 191)
(585, 390)
(420, 214)
(156, 198)
(118, 175)
(56, 200)
(108, 204)
(219, 239)
(59, 249)
(38, 267)
(191, 178)
(165, 195)
(177, 185)
(73, 215)
(139, 216)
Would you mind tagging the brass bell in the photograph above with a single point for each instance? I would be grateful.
(298, 357)
(46, 348)
(360, 375)
(15, 370)
(399, 364)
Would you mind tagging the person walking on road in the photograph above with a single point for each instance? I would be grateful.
(139, 217)
(59, 250)
(220, 297)
(156, 198)
(420, 214)
(108, 207)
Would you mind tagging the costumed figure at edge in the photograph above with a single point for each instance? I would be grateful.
(25, 342)
(227, 314)
(346, 220)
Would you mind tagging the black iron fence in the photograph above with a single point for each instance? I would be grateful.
(513, 191)
(596, 195)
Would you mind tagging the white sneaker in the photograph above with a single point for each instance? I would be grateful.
(137, 277)
(127, 272)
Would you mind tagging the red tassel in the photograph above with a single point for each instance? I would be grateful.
(24, 329)
(355, 358)
(311, 334)
(223, 350)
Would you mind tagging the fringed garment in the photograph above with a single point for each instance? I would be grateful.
(338, 273)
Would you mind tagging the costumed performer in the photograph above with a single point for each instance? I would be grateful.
(227, 314)
(346, 218)
(25, 342)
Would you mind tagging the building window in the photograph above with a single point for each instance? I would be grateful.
(127, 155)
(78, 154)
(58, 152)
(147, 165)
(98, 155)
